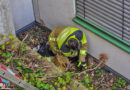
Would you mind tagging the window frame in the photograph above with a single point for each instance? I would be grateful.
(102, 32)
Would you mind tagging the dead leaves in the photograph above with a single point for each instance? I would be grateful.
(61, 62)
(111, 80)
(90, 62)
(103, 58)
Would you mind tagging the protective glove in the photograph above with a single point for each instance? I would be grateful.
(82, 64)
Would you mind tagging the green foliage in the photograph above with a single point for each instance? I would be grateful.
(52, 87)
(16, 47)
(39, 57)
(98, 72)
(9, 54)
(3, 55)
(8, 60)
(19, 88)
(22, 49)
(19, 63)
(68, 77)
(2, 47)
(19, 68)
(119, 83)
(3, 36)
(7, 42)
(27, 70)
(10, 36)
(87, 82)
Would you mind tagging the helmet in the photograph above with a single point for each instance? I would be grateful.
(73, 44)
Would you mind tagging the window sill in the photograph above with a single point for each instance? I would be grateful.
(103, 33)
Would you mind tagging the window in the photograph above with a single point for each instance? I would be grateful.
(109, 19)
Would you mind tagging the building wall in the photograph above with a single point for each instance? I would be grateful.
(22, 12)
(6, 24)
(60, 12)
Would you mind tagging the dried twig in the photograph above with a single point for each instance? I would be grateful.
(21, 44)
(88, 70)
(24, 39)
(102, 58)
(17, 58)
(12, 63)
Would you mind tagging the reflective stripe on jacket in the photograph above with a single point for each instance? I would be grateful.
(64, 35)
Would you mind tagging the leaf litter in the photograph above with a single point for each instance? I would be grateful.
(94, 78)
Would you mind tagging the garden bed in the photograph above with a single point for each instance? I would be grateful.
(33, 68)
(98, 79)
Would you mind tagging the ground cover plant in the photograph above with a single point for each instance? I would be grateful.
(93, 79)
(31, 67)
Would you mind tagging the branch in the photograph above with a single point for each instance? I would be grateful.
(24, 39)
(22, 43)
(88, 70)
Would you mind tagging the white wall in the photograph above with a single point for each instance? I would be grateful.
(6, 24)
(22, 12)
(60, 12)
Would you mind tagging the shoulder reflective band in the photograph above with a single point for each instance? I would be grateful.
(83, 52)
(52, 39)
(84, 40)
(64, 34)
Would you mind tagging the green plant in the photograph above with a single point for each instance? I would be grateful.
(119, 83)
(9, 54)
(8, 60)
(94, 65)
(3, 36)
(22, 49)
(87, 82)
(2, 47)
(4, 55)
(10, 36)
(98, 72)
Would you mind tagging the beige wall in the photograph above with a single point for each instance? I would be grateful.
(6, 25)
(60, 12)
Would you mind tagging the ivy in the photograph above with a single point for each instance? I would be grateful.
(119, 83)
(8, 60)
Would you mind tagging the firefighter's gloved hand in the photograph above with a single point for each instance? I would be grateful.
(82, 64)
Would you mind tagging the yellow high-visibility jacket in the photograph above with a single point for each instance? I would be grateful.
(58, 40)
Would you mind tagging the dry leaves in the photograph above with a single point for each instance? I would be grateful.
(90, 62)
(61, 62)
(103, 58)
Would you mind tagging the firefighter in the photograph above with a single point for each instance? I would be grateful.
(70, 42)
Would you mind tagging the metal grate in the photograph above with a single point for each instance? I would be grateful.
(112, 15)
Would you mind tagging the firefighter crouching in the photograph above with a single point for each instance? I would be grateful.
(70, 42)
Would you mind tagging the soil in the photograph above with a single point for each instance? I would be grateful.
(100, 79)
